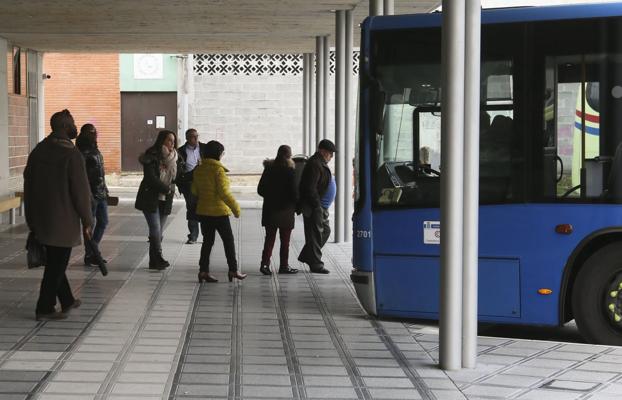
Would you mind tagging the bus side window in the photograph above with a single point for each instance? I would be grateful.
(495, 160)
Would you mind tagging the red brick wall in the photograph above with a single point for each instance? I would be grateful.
(19, 144)
(88, 85)
(18, 139)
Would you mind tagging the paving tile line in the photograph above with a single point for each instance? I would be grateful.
(539, 383)
(563, 371)
(180, 360)
(126, 352)
(57, 366)
(358, 384)
(603, 386)
(344, 353)
(75, 258)
(293, 364)
(398, 355)
(37, 328)
(60, 362)
(235, 373)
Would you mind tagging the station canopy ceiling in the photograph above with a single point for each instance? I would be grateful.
(180, 26)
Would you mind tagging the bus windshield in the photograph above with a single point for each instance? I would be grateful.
(408, 147)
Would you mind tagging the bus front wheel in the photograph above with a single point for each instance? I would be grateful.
(597, 296)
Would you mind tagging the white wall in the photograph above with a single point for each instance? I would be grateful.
(252, 116)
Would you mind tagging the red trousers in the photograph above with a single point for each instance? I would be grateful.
(284, 235)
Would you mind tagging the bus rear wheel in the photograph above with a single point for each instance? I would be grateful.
(597, 296)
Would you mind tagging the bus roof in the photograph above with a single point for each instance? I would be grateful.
(501, 16)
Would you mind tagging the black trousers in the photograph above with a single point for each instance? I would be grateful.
(209, 226)
(191, 206)
(317, 231)
(55, 283)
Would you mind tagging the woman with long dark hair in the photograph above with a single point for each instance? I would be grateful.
(214, 206)
(278, 188)
(86, 142)
(155, 194)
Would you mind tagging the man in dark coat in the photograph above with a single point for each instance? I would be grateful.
(314, 183)
(190, 155)
(57, 199)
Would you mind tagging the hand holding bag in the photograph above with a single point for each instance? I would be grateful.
(36, 254)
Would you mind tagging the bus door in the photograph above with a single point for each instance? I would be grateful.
(408, 170)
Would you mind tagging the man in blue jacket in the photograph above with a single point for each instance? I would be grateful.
(316, 186)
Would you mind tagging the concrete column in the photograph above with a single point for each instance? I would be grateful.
(340, 116)
(376, 7)
(471, 182)
(33, 80)
(4, 119)
(184, 92)
(349, 133)
(41, 98)
(311, 139)
(319, 91)
(306, 70)
(388, 7)
(325, 74)
(452, 149)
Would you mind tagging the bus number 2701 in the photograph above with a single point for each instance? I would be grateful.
(363, 234)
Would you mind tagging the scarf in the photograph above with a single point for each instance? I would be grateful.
(168, 168)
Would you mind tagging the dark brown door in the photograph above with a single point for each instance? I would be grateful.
(143, 115)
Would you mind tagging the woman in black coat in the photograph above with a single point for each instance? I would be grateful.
(278, 188)
(156, 190)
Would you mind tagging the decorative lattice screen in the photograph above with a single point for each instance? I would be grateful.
(257, 64)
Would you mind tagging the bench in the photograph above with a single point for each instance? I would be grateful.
(10, 204)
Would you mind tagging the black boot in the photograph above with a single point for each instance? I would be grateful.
(155, 255)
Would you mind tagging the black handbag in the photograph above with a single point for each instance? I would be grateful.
(36, 254)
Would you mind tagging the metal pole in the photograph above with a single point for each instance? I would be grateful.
(471, 182)
(305, 103)
(375, 7)
(452, 148)
(325, 75)
(389, 7)
(340, 116)
(319, 91)
(349, 133)
(311, 138)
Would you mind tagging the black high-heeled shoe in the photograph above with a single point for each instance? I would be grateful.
(286, 269)
(236, 275)
(206, 277)
(265, 269)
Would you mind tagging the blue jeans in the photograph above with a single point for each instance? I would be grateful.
(100, 214)
(156, 222)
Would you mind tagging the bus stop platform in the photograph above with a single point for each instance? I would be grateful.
(146, 335)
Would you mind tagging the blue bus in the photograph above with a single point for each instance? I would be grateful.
(550, 233)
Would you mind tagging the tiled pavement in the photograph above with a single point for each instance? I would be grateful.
(149, 335)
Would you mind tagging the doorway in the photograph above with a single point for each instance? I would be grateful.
(143, 115)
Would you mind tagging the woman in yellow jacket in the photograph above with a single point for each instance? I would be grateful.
(215, 203)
